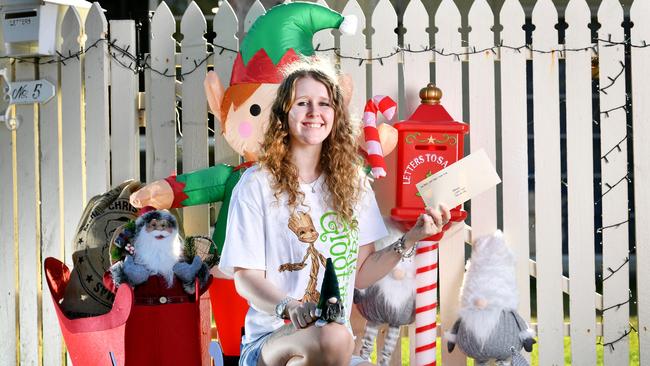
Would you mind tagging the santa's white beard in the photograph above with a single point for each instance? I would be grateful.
(158, 255)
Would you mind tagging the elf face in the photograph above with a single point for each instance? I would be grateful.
(246, 123)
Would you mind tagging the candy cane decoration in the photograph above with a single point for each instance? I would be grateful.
(387, 107)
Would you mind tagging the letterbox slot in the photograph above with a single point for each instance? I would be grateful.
(430, 147)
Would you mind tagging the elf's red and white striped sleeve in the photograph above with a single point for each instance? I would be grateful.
(387, 107)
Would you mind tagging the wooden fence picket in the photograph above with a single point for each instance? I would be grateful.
(514, 150)
(354, 45)
(49, 122)
(579, 129)
(8, 309)
(548, 210)
(125, 151)
(416, 65)
(639, 12)
(195, 132)
(225, 25)
(256, 10)
(97, 64)
(448, 69)
(614, 169)
(194, 113)
(451, 253)
(72, 136)
(161, 105)
(29, 248)
(384, 82)
(482, 112)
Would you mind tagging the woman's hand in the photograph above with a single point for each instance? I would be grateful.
(301, 314)
(429, 223)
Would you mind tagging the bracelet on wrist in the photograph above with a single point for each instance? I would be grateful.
(400, 248)
(281, 308)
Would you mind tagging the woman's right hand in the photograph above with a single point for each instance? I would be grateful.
(301, 314)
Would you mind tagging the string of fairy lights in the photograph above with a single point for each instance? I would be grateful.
(140, 64)
(608, 187)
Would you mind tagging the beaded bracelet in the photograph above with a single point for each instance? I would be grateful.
(400, 248)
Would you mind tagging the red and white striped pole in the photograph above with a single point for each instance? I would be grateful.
(426, 303)
(426, 297)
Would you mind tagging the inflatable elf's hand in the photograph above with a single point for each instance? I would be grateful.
(158, 194)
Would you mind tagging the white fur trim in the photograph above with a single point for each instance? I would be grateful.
(450, 337)
(349, 25)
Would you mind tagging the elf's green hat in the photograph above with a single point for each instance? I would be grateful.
(279, 36)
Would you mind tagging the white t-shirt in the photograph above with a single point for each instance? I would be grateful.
(262, 234)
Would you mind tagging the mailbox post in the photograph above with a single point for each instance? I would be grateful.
(429, 141)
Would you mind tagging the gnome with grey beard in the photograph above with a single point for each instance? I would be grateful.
(391, 300)
(156, 261)
(489, 327)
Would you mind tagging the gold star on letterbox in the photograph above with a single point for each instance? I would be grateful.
(431, 140)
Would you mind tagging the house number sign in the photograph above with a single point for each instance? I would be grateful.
(28, 92)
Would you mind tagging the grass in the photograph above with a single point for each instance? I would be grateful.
(634, 352)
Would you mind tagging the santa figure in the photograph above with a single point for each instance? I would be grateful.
(164, 325)
(155, 256)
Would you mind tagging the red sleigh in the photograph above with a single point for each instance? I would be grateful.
(133, 332)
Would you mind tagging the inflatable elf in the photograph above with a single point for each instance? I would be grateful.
(275, 40)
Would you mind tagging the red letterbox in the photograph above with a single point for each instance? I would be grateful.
(429, 141)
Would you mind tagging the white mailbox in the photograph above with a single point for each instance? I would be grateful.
(33, 27)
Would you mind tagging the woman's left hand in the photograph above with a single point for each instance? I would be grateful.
(429, 223)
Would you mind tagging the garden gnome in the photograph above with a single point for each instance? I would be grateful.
(391, 300)
(489, 327)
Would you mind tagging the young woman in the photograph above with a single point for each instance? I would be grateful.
(306, 201)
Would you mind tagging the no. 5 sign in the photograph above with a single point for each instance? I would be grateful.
(28, 92)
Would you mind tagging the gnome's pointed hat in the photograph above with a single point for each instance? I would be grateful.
(329, 287)
(278, 37)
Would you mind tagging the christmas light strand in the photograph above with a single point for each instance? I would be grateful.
(139, 64)
(612, 80)
(618, 306)
(616, 147)
(625, 334)
(613, 271)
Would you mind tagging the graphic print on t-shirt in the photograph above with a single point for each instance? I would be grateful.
(302, 225)
(342, 240)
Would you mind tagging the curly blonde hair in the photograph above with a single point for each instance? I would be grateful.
(339, 159)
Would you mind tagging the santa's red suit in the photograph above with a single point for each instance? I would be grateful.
(164, 325)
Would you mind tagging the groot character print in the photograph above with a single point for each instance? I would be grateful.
(302, 225)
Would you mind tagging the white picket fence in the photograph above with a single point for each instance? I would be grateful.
(62, 153)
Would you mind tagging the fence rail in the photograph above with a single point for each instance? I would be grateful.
(572, 115)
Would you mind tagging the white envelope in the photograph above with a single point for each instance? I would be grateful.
(459, 182)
